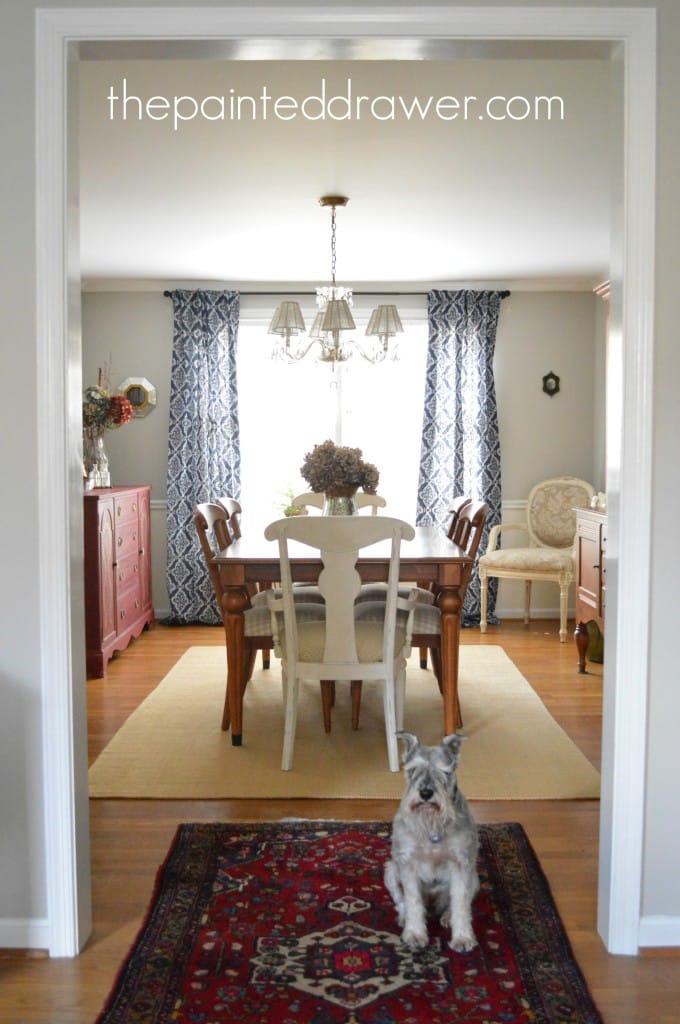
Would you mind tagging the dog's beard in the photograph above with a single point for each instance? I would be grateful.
(431, 818)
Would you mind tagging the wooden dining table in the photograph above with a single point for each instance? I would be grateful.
(429, 557)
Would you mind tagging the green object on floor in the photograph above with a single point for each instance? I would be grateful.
(595, 652)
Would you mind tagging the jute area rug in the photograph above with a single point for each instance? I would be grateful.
(292, 922)
(172, 746)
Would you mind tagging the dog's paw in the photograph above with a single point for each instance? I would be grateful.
(414, 940)
(463, 943)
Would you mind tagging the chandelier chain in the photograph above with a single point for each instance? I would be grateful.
(333, 252)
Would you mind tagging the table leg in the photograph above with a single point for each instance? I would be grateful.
(450, 605)
(234, 603)
(582, 637)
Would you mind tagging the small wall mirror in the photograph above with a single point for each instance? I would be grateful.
(140, 393)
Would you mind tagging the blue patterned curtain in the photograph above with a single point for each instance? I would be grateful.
(460, 450)
(204, 455)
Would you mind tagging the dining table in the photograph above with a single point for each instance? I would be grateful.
(430, 558)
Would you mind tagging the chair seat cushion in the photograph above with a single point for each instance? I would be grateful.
(257, 621)
(369, 639)
(529, 560)
(378, 592)
(307, 594)
(427, 618)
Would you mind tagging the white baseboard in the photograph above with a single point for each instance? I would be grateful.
(24, 933)
(659, 930)
(536, 613)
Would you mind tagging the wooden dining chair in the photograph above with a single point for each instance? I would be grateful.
(340, 647)
(233, 509)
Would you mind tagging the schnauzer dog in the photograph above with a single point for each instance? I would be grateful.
(434, 846)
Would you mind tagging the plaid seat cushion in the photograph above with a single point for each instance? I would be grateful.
(258, 620)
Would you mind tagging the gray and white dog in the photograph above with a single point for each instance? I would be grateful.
(434, 846)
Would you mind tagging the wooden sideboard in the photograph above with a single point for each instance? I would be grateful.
(591, 568)
(117, 571)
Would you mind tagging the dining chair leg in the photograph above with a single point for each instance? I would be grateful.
(266, 656)
(355, 691)
(423, 657)
(391, 723)
(292, 695)
(400, 698)
(327, 694)
(435, 654)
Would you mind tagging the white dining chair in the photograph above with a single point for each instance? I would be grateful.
(315, 499)
(340, 648)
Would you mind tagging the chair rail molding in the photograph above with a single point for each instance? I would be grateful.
(58, 31)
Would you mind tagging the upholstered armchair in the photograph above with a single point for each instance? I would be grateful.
(550, 528)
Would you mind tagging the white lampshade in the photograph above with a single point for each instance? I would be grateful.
(315, 330)
(287, 319)
(337, 316)
(384, 322)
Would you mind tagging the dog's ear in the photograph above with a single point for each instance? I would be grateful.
(451, 746)
(411, 743)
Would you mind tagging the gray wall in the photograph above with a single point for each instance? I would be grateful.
(22, 842)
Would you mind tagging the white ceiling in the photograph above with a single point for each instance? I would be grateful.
(432, 202)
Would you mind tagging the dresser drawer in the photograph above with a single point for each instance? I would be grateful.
(128, 608)
(127, 541)
(126, 507)
(127, 573)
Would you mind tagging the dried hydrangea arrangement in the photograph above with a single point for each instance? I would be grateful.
(331, 468)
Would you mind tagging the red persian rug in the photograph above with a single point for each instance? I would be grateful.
(290, 923)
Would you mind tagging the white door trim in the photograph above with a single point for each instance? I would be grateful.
(629, 458)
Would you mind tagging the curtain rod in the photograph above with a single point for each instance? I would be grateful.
(419, 295)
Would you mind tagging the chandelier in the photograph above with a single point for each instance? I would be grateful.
(333, 319)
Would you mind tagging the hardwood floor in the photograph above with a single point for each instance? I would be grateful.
(129, 840)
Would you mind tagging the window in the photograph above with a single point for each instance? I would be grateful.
(284, 410)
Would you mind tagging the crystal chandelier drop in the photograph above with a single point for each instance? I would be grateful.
(333, 319)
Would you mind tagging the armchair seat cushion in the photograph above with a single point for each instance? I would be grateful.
(528, 560)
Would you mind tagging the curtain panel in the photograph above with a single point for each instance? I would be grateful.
(204, 456)
(460, 449)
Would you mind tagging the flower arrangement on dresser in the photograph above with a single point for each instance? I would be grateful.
(101, 411)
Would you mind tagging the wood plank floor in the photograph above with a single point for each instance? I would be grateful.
(129, 839)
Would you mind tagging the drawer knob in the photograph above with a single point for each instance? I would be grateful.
(120, 542)
(122, 614)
